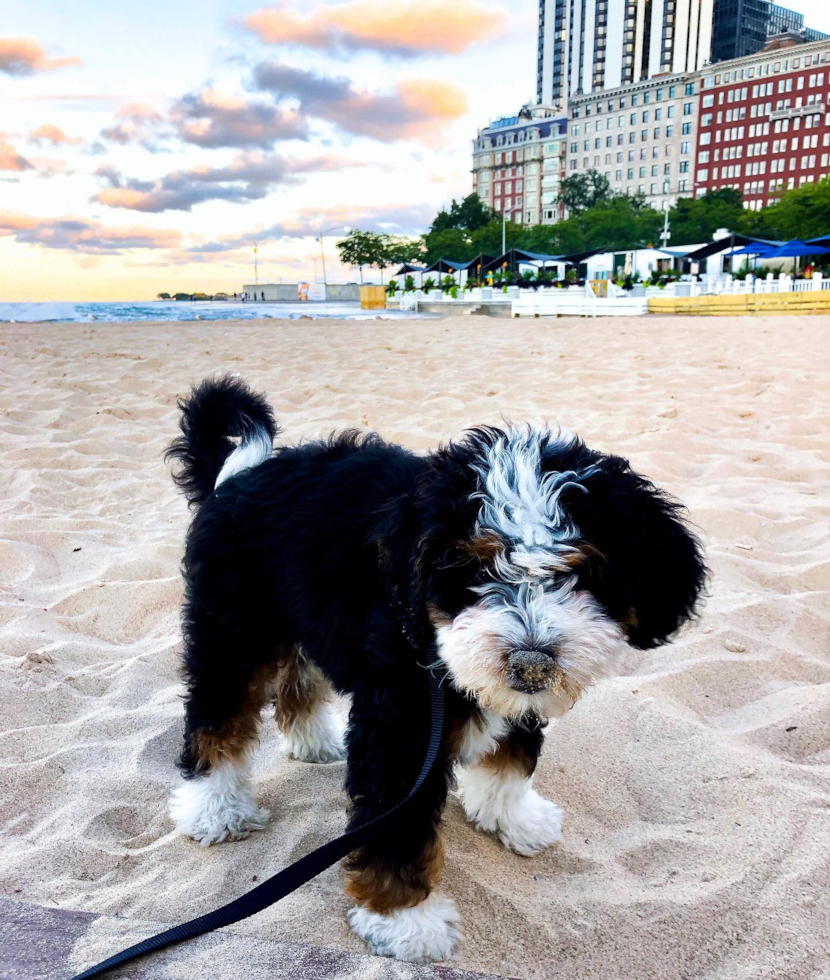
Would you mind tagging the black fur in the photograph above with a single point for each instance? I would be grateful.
(215, 411)
(342, 546)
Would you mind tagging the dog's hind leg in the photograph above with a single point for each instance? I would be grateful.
(228, 684)
(311, 730)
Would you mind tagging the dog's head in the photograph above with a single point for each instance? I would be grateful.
(537, 558)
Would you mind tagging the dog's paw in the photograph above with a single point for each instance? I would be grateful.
(522, 820)
(427, 933)
(530, 827)
(211, 813)
(317, 738)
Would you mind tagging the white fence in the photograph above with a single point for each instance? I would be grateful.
(567, 302)
(726, 285)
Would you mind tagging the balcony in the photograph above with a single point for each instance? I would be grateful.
(792, 112)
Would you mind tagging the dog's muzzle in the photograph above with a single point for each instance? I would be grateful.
(530, 671)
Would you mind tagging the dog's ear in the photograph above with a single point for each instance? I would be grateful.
(652, 571)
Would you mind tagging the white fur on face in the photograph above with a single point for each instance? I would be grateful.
(218, 806)
(423, 934)
(476, 644)
(504, 803)
(316, 736)
(251, 452)
(530, 600)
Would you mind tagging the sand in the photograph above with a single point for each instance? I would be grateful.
(695, 783)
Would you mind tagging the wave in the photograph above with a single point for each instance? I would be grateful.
(183, 312)
(39, 312)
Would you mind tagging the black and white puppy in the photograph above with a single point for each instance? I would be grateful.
(529, 558)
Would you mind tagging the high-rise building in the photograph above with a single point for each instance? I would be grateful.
(519, 162)
(592, 45)
(739, 28)
(641, 137)
(764, 126)
(782, 19)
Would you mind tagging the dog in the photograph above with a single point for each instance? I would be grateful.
(331, 566)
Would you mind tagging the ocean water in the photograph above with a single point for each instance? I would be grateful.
(159, 310)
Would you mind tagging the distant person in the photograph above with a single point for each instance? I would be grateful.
(263, 297)
(234, 297)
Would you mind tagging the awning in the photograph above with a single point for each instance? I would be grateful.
(722, 244)
(516, 255)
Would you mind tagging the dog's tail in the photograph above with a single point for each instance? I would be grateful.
(216, 411)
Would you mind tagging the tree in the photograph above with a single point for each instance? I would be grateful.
(471, 214)
(803, 212)
(163, 296)
(359, 249)
(696, 219)
(580, 192)
(402, 250)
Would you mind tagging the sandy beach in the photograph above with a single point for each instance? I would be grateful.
(695, 783)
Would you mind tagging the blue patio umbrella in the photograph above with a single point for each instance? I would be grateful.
(792, 249)
(756, 248)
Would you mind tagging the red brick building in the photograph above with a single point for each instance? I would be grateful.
(764, 121)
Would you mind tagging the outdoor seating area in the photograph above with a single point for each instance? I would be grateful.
(607, 283)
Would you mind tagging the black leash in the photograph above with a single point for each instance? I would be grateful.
(291, 878)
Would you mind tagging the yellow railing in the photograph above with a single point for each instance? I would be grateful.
(748, 304)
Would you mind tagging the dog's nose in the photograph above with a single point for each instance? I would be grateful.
(530, 670)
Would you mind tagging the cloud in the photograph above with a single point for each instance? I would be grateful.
(394, 28)
(137, 122)
(249, 177)
(416, 110)
(24, 56)
(211, 120)
(10, 159)
(402, 219)
(53, 135)
(84, 235)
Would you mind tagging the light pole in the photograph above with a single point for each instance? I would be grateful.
(504, 215)
(323, 234)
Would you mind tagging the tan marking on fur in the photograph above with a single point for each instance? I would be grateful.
(437, 616)
(384, 889)
(631, 620)
(299, 687)
(486, 547)
(237, 736)
(581, 552)
(508, 757)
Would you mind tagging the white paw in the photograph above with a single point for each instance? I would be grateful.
(535, 825)
(217, 807)
(317, 738)
(511, 809)
(425, 934)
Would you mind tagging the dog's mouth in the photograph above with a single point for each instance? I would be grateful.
(530, 671)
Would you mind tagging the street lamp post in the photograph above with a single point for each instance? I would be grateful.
(504, 215)
(323, 234)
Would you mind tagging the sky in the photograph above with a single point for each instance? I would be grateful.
(150, 147)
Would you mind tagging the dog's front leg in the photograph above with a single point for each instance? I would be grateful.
(497, 791)
(392, 879)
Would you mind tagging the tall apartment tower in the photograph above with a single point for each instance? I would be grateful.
(739, 28)
(590, 45)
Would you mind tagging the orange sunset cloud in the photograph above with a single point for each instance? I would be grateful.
(402, 28)
(24, 56)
